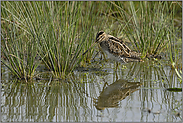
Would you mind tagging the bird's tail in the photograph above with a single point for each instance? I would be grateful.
(134, 56)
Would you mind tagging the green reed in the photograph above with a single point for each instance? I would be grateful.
(57, 33)
(151, 29)
(174, 46)
(146, 24)
(18, 44)
(68, 37)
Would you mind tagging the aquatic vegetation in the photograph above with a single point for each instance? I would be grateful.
(49, 31)
(18, 44)
(57, 33)
(147, 25)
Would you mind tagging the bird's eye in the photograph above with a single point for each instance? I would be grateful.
(99, 33)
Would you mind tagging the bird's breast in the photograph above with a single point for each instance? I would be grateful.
(105, 46)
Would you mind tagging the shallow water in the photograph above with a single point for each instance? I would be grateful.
(135, 92)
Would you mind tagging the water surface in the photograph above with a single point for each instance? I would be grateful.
(135, 92)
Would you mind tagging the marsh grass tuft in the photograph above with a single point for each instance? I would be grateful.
(18, 44)
(55, 33)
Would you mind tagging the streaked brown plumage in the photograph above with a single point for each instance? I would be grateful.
(115, 48)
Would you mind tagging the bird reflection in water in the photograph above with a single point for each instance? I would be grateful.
(112, 94)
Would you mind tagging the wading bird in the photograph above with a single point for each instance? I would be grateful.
(115, 48)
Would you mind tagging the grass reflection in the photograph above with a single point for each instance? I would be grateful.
(73, 100)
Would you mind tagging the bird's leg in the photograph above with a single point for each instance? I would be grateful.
(116, 70)
(105, 84)
(102, 54)
(95, 55)
(117, 64)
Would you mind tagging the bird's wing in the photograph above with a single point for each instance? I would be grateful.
(120, 41)
(123, 48)
(119, 49)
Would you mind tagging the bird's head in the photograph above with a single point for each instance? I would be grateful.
(101, 35)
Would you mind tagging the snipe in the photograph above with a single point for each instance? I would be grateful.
(115, 48)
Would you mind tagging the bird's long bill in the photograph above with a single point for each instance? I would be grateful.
(89, 48)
